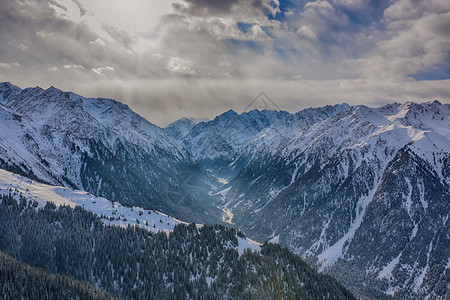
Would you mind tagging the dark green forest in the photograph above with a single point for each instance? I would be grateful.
(20, 281)
(72, 245)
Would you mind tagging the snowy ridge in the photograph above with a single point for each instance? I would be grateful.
(88, 117)
(47, 120)
(279, 134)
(180, 128)
(114, 213)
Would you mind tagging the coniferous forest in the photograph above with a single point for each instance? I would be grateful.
(20, 281)
(71, 248)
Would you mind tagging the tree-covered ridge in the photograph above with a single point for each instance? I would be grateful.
(20, 281)
(190, 263)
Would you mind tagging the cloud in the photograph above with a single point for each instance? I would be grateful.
(416, 40)
(236, 8)
(306, 32)
(9, 66)
(102, 71)
(200, 57)
(74, 67)
(320, 6)
(164, 100)
(98, 41)
(180, 66)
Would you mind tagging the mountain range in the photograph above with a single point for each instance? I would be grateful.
(360, 193)
(103, 147)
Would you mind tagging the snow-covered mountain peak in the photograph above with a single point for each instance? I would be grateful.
(66, 139)
(428, 116)
(327, 110)
(6, 89)
(228, 114)
(363, 114)
(223, 137)
(186, 120)
(278, 135)
(198, 120)
(99, 118)
(179, 128)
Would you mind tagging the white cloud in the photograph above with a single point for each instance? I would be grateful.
(416, 40)
(98, 41)
(321, 6)
(44, 34)
(9, 65)
(102, 71)
(180, 66)
(226, 28)
(131, 16)
(305, 31)
(80, 67)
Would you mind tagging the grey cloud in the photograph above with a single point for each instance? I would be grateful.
(38, 39)
(221, 8)
(200, 63)
(161, 103)
(416, 41)
(200, 7)
(20, 25)
(83, 11)
(122, 38)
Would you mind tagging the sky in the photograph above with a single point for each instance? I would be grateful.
(199, 58)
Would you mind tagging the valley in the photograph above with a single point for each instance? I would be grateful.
(360, 193)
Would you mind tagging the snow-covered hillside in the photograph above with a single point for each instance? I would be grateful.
(112, 213)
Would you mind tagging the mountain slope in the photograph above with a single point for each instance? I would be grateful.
(103, 147)
(190, 262)
(110, 213)
(318, 192)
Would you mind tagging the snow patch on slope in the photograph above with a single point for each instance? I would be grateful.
(113, 212)
(247, 244)
(329, 256)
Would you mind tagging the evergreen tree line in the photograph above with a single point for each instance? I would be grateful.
(20, 281)
(192, 262)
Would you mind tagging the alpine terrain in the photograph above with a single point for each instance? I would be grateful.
(79, 181)
(362, 194)
(102, 147)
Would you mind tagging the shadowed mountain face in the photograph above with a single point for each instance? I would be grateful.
(362, 193)
(101, 146)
